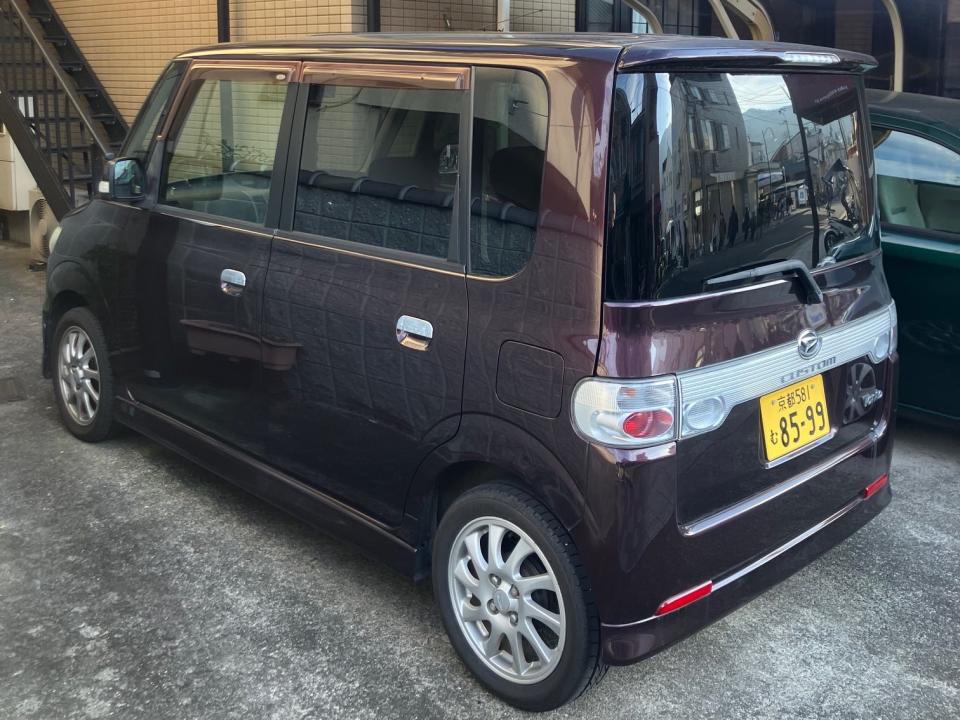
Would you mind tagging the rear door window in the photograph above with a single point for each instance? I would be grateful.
(712, 173)
(380, 165)
(918, 182)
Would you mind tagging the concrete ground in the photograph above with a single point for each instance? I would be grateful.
(135, 585)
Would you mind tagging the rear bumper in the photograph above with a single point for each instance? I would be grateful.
(627, 643)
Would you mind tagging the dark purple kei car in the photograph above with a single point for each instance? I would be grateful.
(592, 329)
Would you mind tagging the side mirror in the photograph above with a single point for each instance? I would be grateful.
(126, 179)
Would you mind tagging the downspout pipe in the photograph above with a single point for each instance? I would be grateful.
(223, 21)
(503, 15)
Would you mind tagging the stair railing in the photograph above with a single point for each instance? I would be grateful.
(51, 124)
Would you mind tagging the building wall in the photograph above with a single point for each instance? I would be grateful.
(128, 44)
(476, 15)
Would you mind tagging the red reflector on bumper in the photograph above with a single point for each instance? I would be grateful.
(685, 598)
(874, 487)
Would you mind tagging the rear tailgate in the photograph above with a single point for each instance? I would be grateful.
(721, 172)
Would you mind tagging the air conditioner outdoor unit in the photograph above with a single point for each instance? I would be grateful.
(41, 224)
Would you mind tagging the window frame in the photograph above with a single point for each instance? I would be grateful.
(235, 70)
(942, 235)
(168, 104)
(414, 76)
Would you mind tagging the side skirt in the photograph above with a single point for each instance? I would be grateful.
(290, 495)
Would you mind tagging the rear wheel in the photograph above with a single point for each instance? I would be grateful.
(82, 377)
(515, 600)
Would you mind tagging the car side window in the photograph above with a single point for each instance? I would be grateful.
(918, 181)
(379, 166)
(221, 160)
(509, 143)
(145, 126)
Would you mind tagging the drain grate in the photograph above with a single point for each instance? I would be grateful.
(11, 390)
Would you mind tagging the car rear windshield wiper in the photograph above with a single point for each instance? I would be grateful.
(812, 296)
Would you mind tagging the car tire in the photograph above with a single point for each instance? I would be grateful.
(493, 604)
(82, 376)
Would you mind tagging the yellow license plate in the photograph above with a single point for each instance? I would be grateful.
(794, 416)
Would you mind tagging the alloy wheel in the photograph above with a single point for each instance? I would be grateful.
(79, 375)
(507, 600)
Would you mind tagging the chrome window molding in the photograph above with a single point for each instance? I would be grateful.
(752, 376)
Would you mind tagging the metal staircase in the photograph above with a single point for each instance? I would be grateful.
(59, 115)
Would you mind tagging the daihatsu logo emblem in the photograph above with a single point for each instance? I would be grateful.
(808, 344)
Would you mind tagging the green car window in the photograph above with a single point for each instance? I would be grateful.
(918, 181)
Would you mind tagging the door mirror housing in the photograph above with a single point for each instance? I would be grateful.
(126, 179)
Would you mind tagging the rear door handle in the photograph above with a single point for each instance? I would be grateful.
(414, 333)
(232, 282)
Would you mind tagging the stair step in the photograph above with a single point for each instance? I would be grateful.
(58, 40)
(78, 147)
(105, 118)
(41, 16)
(89, 91)
(72, 66)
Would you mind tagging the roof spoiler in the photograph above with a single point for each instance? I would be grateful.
(737, 57)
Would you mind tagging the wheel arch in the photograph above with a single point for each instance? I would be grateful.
(485, 450)
(68, 287)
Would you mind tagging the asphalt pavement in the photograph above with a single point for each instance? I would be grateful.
(135, 585)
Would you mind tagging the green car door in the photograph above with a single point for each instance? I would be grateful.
(918, 191)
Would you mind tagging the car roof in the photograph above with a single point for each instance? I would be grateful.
(921, 110)
(632, 50)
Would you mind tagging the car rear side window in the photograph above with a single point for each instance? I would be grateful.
(712, 173)
(222, 157)
(380, 167)
(918, 181)
(509, 142)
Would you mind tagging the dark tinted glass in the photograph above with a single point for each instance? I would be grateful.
(144, 127)
(221, 161)
(918, 182)
(379, 167)
(714, 172)
(509, 141)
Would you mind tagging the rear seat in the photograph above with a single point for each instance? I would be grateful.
(411, 218)
(373, 212)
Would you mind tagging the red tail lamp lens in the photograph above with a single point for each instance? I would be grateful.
(875, 487)
(685, 598)
(648, 423)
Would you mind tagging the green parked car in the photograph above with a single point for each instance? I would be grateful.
(917, 151)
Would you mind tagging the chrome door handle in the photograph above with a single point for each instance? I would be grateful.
(232, 282)
(414, 333)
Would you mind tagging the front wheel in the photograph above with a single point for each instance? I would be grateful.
(515, 599)
(82, 377)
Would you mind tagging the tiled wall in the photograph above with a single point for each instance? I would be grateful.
(129, 43)
(461, 15)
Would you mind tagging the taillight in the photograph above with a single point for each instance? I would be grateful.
(626, 413)
(886, 343)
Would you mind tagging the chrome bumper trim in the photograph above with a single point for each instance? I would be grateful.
(774, 491)
(725, 580)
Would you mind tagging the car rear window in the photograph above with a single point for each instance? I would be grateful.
(712, 173)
